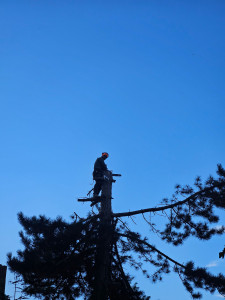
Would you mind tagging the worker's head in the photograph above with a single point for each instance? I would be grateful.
(105, 155)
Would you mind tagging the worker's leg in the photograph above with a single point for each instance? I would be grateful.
(97, 187)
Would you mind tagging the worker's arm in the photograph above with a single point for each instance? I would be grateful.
(103, 165)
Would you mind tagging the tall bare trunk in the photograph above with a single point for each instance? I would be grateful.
(103, 260)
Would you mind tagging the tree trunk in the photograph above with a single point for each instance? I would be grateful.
(103, 259)
(2, 281)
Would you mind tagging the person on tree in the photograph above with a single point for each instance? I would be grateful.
(98, 173)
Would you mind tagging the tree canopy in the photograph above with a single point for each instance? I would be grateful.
(61, 260)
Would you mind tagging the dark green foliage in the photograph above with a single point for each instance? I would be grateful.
(201, 206)
(60, 260)
(222, 253)
(199, 278)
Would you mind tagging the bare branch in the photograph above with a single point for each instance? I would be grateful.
(151, 225)
(133, 220)
(123, 224)
(162, 208)
(153, 248)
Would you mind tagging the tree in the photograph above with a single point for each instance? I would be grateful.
(86, 257)
(18, 288)
(222, 253)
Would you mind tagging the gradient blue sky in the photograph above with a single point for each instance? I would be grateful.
(143, 80)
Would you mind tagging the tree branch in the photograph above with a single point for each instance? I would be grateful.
(153, 248)
(121, 270)
(154, 209)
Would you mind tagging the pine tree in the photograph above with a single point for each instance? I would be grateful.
(222, 253)
(86, 257)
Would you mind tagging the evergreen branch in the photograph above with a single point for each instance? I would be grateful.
(119, 263)
(124, 224)
(222, 253)
(162, 208)
(188, 223)
(88, 219)
(153, 248)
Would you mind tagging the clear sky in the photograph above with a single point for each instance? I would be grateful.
(142, 80)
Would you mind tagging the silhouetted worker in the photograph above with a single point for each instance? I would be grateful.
(98, 174)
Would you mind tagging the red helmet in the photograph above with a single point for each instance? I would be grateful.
(105, 154)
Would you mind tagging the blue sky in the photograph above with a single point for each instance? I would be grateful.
(142, 80)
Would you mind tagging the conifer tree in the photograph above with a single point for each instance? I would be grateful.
(222, 253)
(63, 260)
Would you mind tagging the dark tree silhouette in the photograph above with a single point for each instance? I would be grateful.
(86, 257)
(222, 253)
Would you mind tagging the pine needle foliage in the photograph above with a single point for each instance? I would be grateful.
(60, 259)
